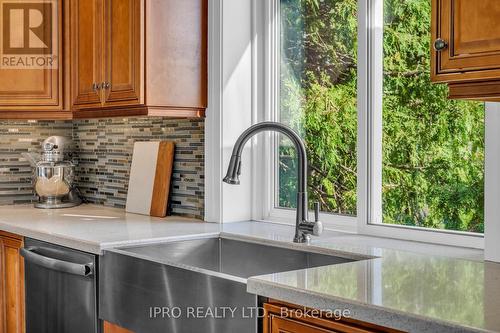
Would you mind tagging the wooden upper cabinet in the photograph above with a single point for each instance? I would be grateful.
(106, 53)
(152, 56)
(11, 284)
(117, 58)
(122, 52)
(466, 47)
(86, 24)
(473, 35)
(176, 54)
(27, 81)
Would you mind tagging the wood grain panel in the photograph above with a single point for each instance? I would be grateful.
(11, 285)
(475, 27)
(10, 235)
(35, 89)
(163, 174)
(112, 328)
(282, 317)
(176, 112)
(86, 52)
(471, 30)
(122, 52)
(176, 53)
(283, 325)
(484, 91)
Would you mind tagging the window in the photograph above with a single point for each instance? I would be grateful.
(433, 148)
(318, 99)
(405, 155)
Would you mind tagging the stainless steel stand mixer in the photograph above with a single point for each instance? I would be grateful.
(53, 177)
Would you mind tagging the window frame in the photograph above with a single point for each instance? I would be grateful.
(369, 141)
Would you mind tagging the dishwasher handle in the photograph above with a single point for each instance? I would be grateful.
(30, 255)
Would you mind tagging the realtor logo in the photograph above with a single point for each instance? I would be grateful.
(29, 33)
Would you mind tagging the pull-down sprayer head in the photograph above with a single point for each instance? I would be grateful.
(233, 171)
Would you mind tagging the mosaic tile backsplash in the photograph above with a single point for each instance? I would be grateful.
(103, 154)
(18, 137)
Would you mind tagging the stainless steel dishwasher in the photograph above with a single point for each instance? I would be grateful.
(61, 289)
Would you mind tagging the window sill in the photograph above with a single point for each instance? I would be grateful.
(351, 224)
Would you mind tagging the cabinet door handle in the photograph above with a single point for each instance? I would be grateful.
(440, 44)
(96, 86)
(106, 85)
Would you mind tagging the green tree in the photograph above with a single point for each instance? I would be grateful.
(318, 98)
(433, 148)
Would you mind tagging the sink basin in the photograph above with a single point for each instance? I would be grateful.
(161, 287)
(235, 257)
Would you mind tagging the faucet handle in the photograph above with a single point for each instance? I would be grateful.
(318, 225)
(317, 228)
(316, 212)
(311, 228)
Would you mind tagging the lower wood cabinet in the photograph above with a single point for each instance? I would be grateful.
(282, 317)
(112, 328)
(11, 284)
(279, 324)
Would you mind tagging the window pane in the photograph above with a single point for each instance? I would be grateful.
(318, 99)
(433, 148)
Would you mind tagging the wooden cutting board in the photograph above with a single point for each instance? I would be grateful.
(150, 175)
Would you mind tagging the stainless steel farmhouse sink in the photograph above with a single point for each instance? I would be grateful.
(196, 285)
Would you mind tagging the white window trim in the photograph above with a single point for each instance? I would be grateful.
(213, 126)
(267, 167)
(369, 146)
(492, 183)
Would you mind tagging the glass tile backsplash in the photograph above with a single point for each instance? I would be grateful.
(103, 154)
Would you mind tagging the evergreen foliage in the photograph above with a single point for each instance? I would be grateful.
(433, 148)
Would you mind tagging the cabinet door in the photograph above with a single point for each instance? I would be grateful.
(176, 54)
(122, 52)
(284, 325)
(11, 286)
(469, 30)
(112, 328)
(86, 26)
(275, 321)
(39, 88)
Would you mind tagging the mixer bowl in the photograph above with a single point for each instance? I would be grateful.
(53, 179)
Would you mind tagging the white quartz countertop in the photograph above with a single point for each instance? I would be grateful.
(410, 286)
(94, 228)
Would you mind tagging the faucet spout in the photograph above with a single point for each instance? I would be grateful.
(303, 227)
